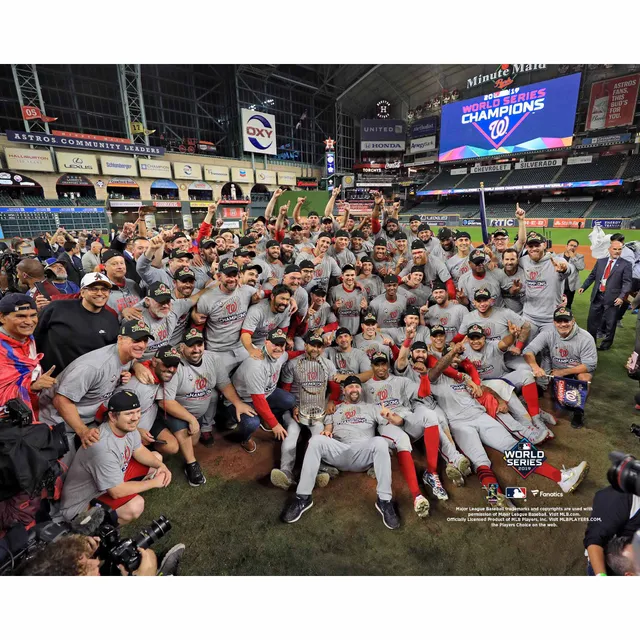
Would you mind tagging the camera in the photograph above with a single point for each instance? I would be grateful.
(624, 474)
(115, 550)
(635, 429)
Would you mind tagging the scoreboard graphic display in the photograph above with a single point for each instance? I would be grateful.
(531, 118)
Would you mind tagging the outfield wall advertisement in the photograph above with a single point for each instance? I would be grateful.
(531, 118)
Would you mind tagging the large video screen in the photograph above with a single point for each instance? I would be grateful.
(531, 118)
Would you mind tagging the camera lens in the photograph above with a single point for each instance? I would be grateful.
(624, 475)
(156, 530)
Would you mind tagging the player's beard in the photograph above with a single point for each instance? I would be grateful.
(354, 396)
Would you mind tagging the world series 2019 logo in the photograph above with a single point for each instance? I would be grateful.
(524, 457)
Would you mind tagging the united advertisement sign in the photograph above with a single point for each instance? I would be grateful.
(531, 118)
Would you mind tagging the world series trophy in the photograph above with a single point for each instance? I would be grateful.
(312, 377)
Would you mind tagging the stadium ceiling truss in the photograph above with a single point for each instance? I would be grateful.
(29, 94)
(130, 81)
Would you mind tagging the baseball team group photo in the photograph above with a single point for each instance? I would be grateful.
(319, 320)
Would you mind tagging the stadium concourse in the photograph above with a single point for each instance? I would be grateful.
(308, 351)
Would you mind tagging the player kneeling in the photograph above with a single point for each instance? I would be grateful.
(349, 443)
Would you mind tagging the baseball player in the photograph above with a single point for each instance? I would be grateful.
(347, 360)
(514, 274)
(416, 293)
(256, 382)
(432, 267)
(347, 300)
(307, 377)
(320, 318)
(488, 359)
(189, 401)
(381, 258)
(472, 428)
(372, 340)
(501, 238)
(325, 267)
(458, 264)
(125, 292)
(370, 281)
(571, 350)
(272, 267)
(447, 248)
(293, 278)
(446, 312)
(340, 251)
(261, 318)
(388, 307)
(409, 318)
(544, 283)
(479, 278)
(349, 443)
(226, 307)
(403, 396)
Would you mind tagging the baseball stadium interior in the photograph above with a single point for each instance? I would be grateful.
(319, 319)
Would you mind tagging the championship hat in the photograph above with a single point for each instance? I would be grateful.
(436, 329)
(159, 292)
(277, 336)
(482, 294)
(351, 380)
(313, 338)
(192, 337)
(135, 329)
(184, 274)
(180, 253)
(370, 318)
(533, 237)
(379, 356)
(390, 279)
(475, 330)
(227, 267)
(562, 313)
(168, 355)
(477, 256)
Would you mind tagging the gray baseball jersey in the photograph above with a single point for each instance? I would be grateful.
(260, 320)
(193, 386)
(354, 423)
(416, 296)
(225, 314)
(454, 399)
(372, 285)
(492, 280)
(97, 469)
(301, 297)
(322, 271)
(458, 266)
(292, 372)
(349, 313)
(258, 377)
(495, 325)
(395, 393)
(398, 335)
(348, 362)
(163, 329)
(269, 269)
(515, 302)
(151, 274)
(489, 361)
(383, 267)
(565, 353)
(543, 288)
(346, 256)
(122, 297)
(434, 269)
(450, 317)
(371, 346)
(444, 254)
(411, 374)
(322, 317)
(89, 381)
(388, 313)
(147, 394)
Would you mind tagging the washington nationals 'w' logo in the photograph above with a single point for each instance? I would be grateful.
(444, 321)
(383, 394)
(312, 375)
(532, 275)
(350, 414)
(200, 383)
(563, 352)
(487, 331)
(232, 307)
(393, 314)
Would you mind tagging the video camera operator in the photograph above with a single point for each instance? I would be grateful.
(75, 555)
(616, 512)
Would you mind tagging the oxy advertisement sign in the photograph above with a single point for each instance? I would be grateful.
(259, 132)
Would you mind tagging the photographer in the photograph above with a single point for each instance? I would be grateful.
(73, 555)
(115, 470)
(614, 514)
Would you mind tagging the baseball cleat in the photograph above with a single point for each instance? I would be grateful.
(388, 513)
(504, 502)
(371, 473)
(432, 480)
(550, 435)
(538, 433)
(281, 479)
(572, 477)
(332, 471)
(421, 506)
(547, 417)
(296, 508)
(322, 479)
(458, 471)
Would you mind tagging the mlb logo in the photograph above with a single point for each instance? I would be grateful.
(516, 492)
(526, 446)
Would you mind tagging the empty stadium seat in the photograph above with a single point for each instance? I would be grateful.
(444, 180)
(605, 168)
(543, 175)
(559, 209)
(618, 207)
(632, 169)
(473, 180)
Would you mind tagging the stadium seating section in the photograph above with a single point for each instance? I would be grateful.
(544, 175)
(444, 180)
(619, 207)
(505, 210)
(473, 180)
(632, 170)
(6, 201)
(605, 168)
(464, 210)
(559, 209)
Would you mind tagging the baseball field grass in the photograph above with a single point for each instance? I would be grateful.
(231, 525)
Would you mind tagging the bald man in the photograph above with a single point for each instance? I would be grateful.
(30, 271)
(91, 259)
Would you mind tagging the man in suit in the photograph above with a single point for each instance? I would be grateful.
(72, 262)
(612, 278)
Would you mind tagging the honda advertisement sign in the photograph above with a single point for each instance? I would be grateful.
(382, 135)
(259, 132)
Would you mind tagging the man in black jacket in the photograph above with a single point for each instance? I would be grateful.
(614, 514)
(71, 260)
(613, 282)
(131, 249)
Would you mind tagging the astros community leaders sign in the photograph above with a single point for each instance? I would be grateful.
(49, 140)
